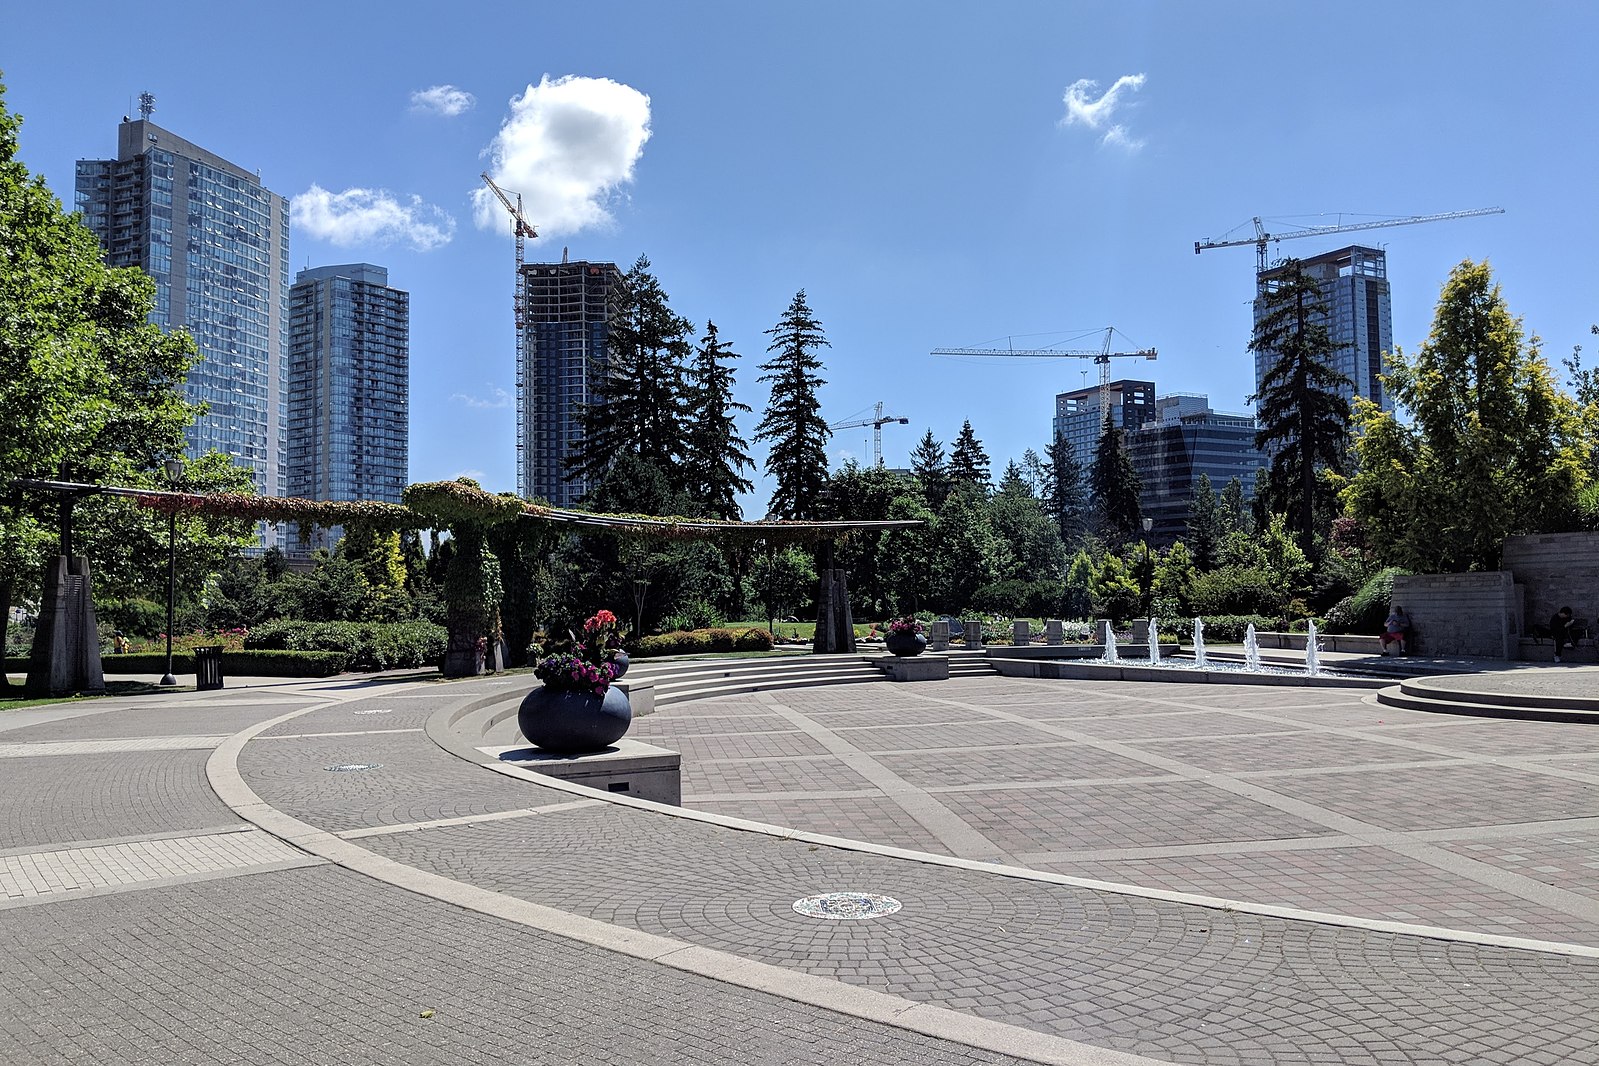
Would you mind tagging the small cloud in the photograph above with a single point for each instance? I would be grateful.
(498, 398)
(444, 100)
(1082, 110)
(475, 475)
(371, 216)
(567, 146)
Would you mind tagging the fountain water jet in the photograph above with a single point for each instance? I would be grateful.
(1110, 642)
(1154, 642)
(1199, 643)
(1251, 650)
(1312, 664)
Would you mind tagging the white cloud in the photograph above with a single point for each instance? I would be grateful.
(497, 397)
(567, 146)
(444, 100)
(371, 216)
(475, 475)
(1081, 110)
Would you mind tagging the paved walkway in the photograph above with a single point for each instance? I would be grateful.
(173, 896)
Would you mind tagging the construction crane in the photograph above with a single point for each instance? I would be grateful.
(521, 228)
(1101, 358)
(1261, 236)
(877, 422)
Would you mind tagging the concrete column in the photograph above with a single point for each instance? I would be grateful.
(1054, 631)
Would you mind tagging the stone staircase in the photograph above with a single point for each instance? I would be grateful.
(1425, 694)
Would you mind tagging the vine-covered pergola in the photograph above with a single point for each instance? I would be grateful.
(469, 513)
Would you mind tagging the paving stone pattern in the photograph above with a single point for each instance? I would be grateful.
(1186, 983)
(224, 718)
(322, 966)
(53, 872)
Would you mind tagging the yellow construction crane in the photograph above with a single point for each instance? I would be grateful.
(520, 228)
(877, 422)
(1261, 236)
(1101, 358)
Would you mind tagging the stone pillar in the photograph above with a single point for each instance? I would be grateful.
(974, 633)
(1054, 631)
(1020, 633)
(66, 646)
(1140, 631)
(835, 624)
(938, 636)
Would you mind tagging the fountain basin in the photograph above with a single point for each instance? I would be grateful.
(1078, 651)
(1085, 669)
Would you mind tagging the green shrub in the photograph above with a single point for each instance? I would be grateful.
(1365, 611)
(1238, 590)
(720, 639)
(696, 614)
(367, 645)
(754, 640)
(248, 663)
(135, 618)
(1229, 628)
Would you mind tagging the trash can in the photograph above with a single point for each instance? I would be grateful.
(208, 667)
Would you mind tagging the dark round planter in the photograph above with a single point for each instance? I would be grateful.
(620, 661)
(572, 723)
(905, 644)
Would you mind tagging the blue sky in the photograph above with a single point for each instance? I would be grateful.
(908, 164)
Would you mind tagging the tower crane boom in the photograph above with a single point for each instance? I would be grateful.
(877, 422)
(1261, 236)
(1101, 358)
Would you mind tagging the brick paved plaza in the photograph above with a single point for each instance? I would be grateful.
(184, 879)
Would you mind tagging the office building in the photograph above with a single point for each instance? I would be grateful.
(1354, 285)
(1080, 420)
(567, 314)
(349, 388)
(1185, 439)
(216, 241)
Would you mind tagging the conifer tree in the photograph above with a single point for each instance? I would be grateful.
(793, 423)
(968, 463)
(637, 402)
(1067, 496)
(1204, 524)
(1304, 418)
(1115, 486)
(1233, 509)
(927, 464)
(717, 456)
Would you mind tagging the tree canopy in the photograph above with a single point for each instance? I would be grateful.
(793, 424)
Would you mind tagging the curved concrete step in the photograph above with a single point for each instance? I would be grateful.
(1430, 688)
(1396, 696)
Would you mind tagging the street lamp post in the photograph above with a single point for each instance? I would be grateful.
(1149, 573)
(641, 585)
(174, 470)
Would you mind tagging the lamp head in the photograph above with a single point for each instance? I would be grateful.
(1148, 524)
(174, 469)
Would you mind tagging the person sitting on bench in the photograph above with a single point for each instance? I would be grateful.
(1560, 629)
(1396, 630)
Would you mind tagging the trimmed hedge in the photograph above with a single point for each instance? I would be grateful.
(247, 663)
(366, 645)
(701, 641)
(1229, 628)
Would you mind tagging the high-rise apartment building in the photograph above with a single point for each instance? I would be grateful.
(349, 388)
(1354, 285)
(1080, 420)
(567, 314)
(217, 244)
(1183, 440)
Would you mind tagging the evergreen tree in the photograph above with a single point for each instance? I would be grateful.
(927, 464)
(1067, 496)
(638, 399)
(1204, 524)
(1036, 473)
(1304, 418)
(1233, 509)
(967, 461)
(1496, 448)
(717, 455)
(1115, 487)
(793, 424)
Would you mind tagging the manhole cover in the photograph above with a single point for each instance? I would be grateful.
(846, 906)
(376, 710)
(348, 767)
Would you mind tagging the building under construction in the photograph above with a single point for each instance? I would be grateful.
(562, 353)
(1354, 284)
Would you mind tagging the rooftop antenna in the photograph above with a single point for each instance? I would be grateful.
(146, 105)
(564, 259)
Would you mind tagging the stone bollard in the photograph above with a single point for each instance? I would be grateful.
(938, 637)
(974, 632)
(1140, 631)
(1054, 631)
(1020, 633)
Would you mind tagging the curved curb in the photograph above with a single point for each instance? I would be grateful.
(940, 1023)
(440, 735)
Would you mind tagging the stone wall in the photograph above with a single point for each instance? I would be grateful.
(1461, 614)
(1556, 570)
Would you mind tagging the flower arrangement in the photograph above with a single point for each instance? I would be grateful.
(904, 624)
(583, 664)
